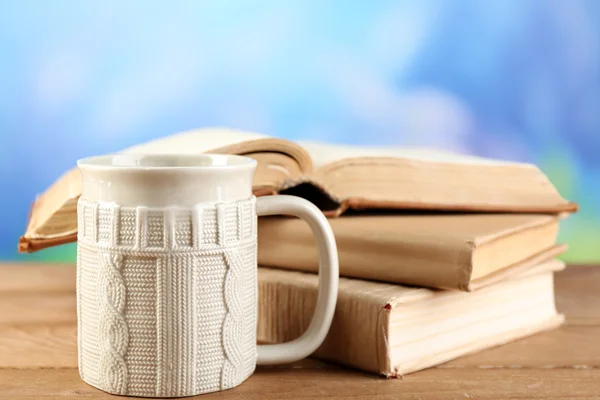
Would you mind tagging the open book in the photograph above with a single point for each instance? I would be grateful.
(334, 177)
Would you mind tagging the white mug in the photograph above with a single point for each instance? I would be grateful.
(166, 274)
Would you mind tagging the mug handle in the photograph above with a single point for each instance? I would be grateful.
(310, 340)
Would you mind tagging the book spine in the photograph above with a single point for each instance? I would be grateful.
(358, 336)
(396, 258)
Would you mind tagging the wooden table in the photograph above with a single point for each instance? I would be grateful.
(38, 352)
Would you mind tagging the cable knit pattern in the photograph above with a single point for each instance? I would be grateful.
(234, 321)
(113, 328)
(166, 297)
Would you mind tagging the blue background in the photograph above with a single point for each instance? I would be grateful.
(518, 80)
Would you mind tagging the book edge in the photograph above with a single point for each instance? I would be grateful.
(361, 203)
(535, 221)
(542, 261)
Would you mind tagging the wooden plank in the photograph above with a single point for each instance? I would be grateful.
(37, 278)
(23, 308)
(566, 347)
(300, 383)
(577, 294)
(61, 277)
(55, 345)
(38, 346)
(576, 289)
(572, 284)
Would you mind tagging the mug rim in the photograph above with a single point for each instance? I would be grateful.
(165, 161)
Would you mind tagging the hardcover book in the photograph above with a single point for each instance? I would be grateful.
(394, 330)
(451, 251)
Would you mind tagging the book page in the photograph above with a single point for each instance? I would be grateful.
(195, 141)
(325, 153)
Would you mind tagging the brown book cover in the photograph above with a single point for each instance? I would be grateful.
(394, 330)
(336, 178)
(452, 251)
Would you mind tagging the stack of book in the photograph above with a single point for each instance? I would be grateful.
(440, 254)
(417, 290)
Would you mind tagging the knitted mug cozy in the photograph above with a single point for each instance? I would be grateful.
(166, 297)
